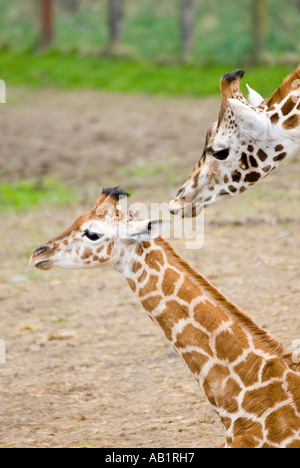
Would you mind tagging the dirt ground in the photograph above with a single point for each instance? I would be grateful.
(85, 367)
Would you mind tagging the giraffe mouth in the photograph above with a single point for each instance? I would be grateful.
(187, 210)
(42, 264)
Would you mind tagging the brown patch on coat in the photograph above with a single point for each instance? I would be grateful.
(236, 176)
(136, 266)
(244, 161)
(188, 291)
(195, 181)
(245, 441)
(131, 284)
(260, 400)
(195, 361)
(245, 425)
(169, 282)
(262, 155)
(231, 343)
(192, 336)
(294, 444)
(280, 157)
(273, 369)
(142, 276)
(87, 253)
(291, 122)
(248, 370)
(288, 106)
(155, 260)
(221, 394)
(252, 177)
(150, 286)
(146, 244)
(209, 316)
(170, 316)
(151, 303)
(293, 381)
(275, 118)
(253, 161)
(110, 248)
(223, 192)
(281, 424)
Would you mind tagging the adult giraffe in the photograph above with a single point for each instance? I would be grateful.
(249, 140)
(245, 374)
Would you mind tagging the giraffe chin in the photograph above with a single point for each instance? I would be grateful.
(45, 265)
(189, 210)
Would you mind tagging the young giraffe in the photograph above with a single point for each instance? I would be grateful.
(249, 140)
(241, 369)
(243, 372)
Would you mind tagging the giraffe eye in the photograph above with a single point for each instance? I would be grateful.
(221, 154)
(93, 236)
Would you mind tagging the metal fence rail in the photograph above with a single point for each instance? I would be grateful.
(205, 31)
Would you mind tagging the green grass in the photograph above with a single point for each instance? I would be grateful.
(70, 71)
(30, 194)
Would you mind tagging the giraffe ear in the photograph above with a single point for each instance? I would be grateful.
(256, 124)
(148, 229)
(254, 98)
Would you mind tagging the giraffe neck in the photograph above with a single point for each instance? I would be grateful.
(263, 158)
(284, 114)
(259, 158)
(230, 362)
(284, 140)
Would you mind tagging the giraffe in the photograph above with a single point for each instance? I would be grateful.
(244, 373)
(247, 143)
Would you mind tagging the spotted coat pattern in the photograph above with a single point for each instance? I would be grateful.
(246, 375)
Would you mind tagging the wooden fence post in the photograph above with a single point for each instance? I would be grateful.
(187, 26)
(260, 28)
(47, 22)
(115, 20)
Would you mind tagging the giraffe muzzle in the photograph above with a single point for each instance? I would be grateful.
(38, 259)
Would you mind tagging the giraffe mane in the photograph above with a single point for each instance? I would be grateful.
(285, 89)
(272, 345)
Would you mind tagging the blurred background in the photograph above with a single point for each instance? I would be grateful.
(204, 31)
(121, 92)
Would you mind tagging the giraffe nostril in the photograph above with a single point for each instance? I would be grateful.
(41, 250)
(180, 192)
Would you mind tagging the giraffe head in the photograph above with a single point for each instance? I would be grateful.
(104, 235)
(247, 142)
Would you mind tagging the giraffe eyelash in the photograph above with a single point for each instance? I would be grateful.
(93, 236)
(221, 155)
